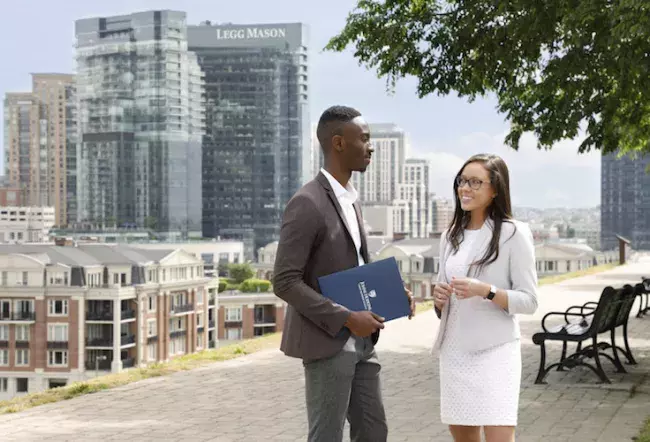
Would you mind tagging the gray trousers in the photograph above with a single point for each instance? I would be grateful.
(346, 385)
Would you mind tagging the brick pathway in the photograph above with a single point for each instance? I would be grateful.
(260, 397)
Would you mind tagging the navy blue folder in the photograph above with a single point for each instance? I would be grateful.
(376, 286)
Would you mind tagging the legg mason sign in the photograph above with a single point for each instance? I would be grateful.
(250, 33)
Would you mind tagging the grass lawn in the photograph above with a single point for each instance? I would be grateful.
(644, 436)
(577, 274)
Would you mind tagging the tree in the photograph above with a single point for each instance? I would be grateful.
(556, 66)
(240, 272)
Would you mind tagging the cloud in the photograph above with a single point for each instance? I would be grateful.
(559, 177)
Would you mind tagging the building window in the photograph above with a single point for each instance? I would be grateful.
(151, 328)
(199, 340)
(57, 358)
(57, 332)
(4, 278)
(4, 332)
(152, 303)
(57, 307)
(116, 278)
(199, 297)
(199, 320)
(233, 334)
(22, 333)
(4, 357)
(22, 357)
(233, 314)
(4, 385)
(151, 352)
(22, 385)
(25, 278)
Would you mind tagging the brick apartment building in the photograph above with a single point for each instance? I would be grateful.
(68, 312)
(249, 315)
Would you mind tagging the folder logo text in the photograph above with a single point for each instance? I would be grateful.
(365, 296)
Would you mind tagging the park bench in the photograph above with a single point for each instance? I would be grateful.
(644, 308)
(586, 323)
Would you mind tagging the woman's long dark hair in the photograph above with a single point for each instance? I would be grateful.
(499, 211)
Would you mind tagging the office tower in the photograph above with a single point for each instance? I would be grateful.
(256, 150)
(36, 131)
(141, 122)
(625, 201)
(379, 183)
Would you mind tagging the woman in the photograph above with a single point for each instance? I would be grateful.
(487, 276)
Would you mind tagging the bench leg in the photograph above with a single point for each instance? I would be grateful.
(541, 374)
(616, 360)
(628, 351)
(563, 357)
(599, 368)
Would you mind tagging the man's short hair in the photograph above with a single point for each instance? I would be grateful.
(331, 123)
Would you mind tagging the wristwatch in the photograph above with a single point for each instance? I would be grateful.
(493, 292)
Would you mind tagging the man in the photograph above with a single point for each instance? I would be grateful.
(322, 233)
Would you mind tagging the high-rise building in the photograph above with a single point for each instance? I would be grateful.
(443, 213)
(413, 199)
(625, 202)
(141, 123)
(257, 145)
(379, 183)
(37, 139)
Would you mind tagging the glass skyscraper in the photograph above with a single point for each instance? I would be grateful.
(625, 201)
(141, 123)
(256, 150)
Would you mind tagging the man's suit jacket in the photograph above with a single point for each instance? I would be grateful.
(314, 241)
(485, 324)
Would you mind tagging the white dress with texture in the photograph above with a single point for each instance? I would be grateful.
(476, 388)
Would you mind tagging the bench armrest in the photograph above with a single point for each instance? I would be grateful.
(564, 314)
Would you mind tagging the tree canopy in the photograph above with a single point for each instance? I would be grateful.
(555, 66)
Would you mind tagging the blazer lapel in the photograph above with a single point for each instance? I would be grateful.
(362, 231)
(330, 193)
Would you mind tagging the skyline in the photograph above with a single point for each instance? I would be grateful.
(446, 141)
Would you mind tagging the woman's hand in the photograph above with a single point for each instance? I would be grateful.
(469, 287)
(441, 294)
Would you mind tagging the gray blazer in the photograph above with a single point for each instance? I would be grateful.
(488, 325)
(314, 241)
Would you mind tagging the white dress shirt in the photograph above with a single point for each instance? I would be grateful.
(346, 197)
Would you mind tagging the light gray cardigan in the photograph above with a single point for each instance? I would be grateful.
(484, 323)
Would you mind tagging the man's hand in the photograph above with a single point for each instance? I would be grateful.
(441, 294)
(365, 323)
(409, 295)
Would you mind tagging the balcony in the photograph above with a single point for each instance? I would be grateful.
(4, 344)
(99, 342)
(128, 363)
(18, 316)
(264, 321)
(183, 308)
(22, 344)
(177, 333)
(101, 365)
(57, 345)
(127, 340)
(200, 329)
(127, 314)
(99, 316)
(211, 324)
(212, 300)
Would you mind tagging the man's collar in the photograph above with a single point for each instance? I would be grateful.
(338, 189)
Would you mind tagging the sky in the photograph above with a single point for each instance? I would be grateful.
(38, 36)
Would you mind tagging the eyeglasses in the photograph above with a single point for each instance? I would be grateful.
(474, 183)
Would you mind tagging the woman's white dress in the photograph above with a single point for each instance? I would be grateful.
(476, 388)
